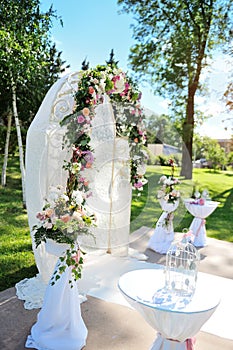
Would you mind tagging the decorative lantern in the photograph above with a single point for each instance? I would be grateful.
(182, 260)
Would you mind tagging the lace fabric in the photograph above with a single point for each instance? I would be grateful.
(32, 291)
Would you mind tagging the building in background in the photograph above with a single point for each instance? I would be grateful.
(158, 149)
(227, 144)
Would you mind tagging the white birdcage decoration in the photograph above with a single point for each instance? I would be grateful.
(182, 260)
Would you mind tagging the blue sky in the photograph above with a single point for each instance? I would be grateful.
(93, 27)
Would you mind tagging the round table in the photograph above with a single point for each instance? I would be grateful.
(200, 213)
(177, 319)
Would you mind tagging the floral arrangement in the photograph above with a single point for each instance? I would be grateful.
(63, 216)
(199, 201)
(168, 192)
(198, 197)
(125, 97)
(63, 219)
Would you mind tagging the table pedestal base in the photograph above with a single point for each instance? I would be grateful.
(161, 343)
(163, 234)
(199, 231)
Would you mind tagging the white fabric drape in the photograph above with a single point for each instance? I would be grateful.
(109, 184)
(174, 323)
(45, 157)
(44, 160)
(59, 324)
(163, 234)
(200, 212)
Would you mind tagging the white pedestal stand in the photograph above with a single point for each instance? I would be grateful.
(163, 234)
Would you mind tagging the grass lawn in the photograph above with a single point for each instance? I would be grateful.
(16, 257)
(146, 211)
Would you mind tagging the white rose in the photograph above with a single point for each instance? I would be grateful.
(65, 197)
(54, 193)
(160, 194)
(141, 169)
(119, 85)
(102, 84)
(70, 230)
(77, 197)
(77, 216)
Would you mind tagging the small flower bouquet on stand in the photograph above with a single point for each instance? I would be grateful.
(63, 219)
(168, 197)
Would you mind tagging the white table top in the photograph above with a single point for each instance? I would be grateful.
(141, 285)
(208, 203)
(198, 210)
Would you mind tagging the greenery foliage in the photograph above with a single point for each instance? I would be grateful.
(161, 129)
(13, 147)
(29, 60)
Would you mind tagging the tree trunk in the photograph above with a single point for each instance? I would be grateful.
(19, 137)
(187, 136)
(6, 151)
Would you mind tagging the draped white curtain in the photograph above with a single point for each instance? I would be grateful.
(45, 157)
(109, 184)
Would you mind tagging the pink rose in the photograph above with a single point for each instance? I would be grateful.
(138, 184)
(48, 225)
(201, 201)
(80, 119)
(65, 218)
(91, 90)
(77, 256)
(40, 216)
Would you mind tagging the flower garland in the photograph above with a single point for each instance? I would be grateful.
(125, 99)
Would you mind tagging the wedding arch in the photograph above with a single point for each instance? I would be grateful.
(96, 112)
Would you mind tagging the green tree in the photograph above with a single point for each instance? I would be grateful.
(210, 149)
(197, 147)
(214, 154)
(174, 39)
(160, 129)
(25, 48)
(230, 159)
(31, 94)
